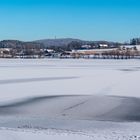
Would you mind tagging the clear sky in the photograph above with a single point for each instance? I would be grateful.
(114, 20)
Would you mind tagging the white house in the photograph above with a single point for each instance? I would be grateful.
(131, 47)
(103, 45)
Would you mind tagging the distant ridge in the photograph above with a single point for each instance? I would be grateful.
(59, 42)
(66, 41)
(62, 43)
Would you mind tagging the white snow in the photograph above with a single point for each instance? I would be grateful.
(107, 85)
(90, 77)
(21, 134)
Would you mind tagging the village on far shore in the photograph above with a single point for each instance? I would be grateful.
(70, 48)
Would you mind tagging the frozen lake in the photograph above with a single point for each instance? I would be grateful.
(85, 99)
(28, 78)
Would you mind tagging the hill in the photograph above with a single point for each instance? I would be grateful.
(59, 42)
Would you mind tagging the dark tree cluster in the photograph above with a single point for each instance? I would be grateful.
(135, 41)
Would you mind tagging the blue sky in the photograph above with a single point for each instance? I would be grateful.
(114, 20)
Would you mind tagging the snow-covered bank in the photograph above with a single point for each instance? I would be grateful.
(78, 130)
(24, 134)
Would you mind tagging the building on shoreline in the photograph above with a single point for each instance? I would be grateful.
(122, 52)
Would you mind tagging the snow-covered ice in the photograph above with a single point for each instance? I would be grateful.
(27, 78)
(69, 99)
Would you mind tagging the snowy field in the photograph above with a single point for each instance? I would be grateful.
(69, 99)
